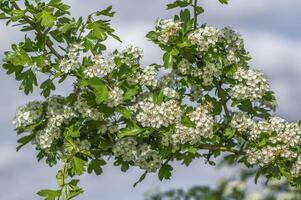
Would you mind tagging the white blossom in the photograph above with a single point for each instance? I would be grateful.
(251, 84)
(71, 63)
(129, 149)
(167, 29)
(115, 97)
(82, 107)
(150, 114)
(241, 122)
(148, 77)
(28, 115)
(204, 38)
(170, 93)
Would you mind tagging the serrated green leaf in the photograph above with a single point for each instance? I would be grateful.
(130, 93)
(168, 60)
(106, 12)
(229, 133)
(125, 113)
(223, 1)
(46, 87)
(29, 80)
(101, 90)
(165, 172)
(46, 18)
(96, 166)
(24, 140)
(130, 131)
(49, 194)
(78, 165)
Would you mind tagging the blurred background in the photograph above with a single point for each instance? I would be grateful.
(272, 33)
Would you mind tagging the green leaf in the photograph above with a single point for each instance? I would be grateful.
(199, 10)
(49, 194)
(25, 140)
(18, 57)
(223, 1)
(130, 93)
(106, 12)
(98, 30)
(187, 122)
(152, 35)
(125, 113)
(29, 80)
(130, 131)
(168, 60)
(179, 3)
(246, 106)
(47, 86)
(101, 90)
(60, 178)
(96, 166)
(46, 18)
(73, 131)
(165, 172)
(78, 165)
(229, 133)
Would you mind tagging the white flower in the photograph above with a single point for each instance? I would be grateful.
(241, 122)
(154, 115)
(133, 51)
(170, 93)
(204, 38)
(129, 149)
(103, 66)
(28, 115)
(251, 84)
(71, 63)
(167, 29)
(148, 77)
(115, 97)
(204, 127)
(82, 107)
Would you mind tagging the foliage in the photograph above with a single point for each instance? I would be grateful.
(209, 98)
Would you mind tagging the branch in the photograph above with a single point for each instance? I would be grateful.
(223, 100)
(195, 14)
(4, 17)
(34, 26)
(219, 148)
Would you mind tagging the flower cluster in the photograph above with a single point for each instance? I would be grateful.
(129, 149)
(207, 73)
(251, 84)
(234, 45)
(203, 127)
(242, 122)
(45, 137)
(170, 93)
(87, 111)
(28, 115)
(71, 62)
(115, 97)
(150, 114)
(204, 38)
(101, 67)
(281, 138)
(148, 77)
(57, 114)
(167, 29)
(133, 51)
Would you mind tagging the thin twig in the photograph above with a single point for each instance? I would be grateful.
(33, 25)
(195, 14)
(223, 100)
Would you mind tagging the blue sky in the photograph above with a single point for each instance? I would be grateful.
(272, 35)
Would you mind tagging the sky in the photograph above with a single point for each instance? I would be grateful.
(272, 36)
